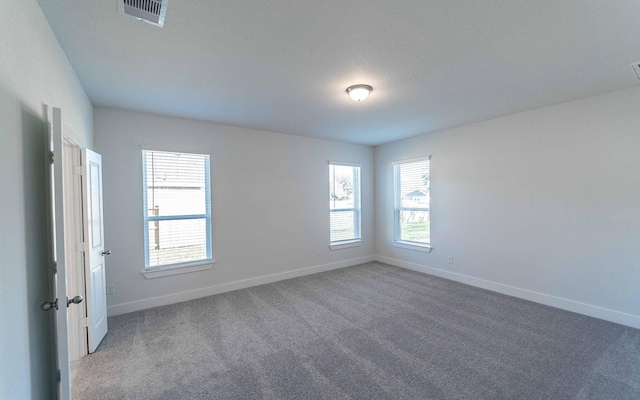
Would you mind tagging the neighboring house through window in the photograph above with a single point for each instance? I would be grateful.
(344, 205)
(412, 204)
(177, 209)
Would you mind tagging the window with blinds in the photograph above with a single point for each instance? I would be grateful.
(412, 202)
(344, 203)
(177, 209)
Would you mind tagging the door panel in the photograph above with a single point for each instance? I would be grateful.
(99, 308)
(58, 245)
(95, 200)
(94, 256)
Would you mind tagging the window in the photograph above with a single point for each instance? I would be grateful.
(412, 203)
(344, 204)
(177, 209)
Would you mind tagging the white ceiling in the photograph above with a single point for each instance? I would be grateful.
(284, 65)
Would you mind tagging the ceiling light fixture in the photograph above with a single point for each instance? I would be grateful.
(359, 92)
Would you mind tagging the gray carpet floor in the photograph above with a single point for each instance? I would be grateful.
(365, 332)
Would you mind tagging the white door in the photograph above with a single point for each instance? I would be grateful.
(96, 296)
(59, 304)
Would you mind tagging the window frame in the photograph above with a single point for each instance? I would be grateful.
(357, 208)
(182, 267)
(397, 208)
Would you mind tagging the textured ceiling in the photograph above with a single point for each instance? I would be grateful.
(284, 65)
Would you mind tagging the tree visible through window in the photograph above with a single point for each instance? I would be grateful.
(177, 208)
(412, 200)
(344, 203)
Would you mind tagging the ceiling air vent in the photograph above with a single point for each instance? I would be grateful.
(636, 69)
(149, 11)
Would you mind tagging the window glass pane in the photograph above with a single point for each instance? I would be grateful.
(176, 183)
(177, 241)
(344, 202)
(342, 183)
(342, 225)
(412, 201)
(414, 226)
(414, 184)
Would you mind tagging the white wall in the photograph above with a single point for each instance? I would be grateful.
(540, 204)
(543, 205)
(33, 71)
(270, 205)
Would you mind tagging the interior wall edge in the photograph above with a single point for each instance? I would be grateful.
(589, 310)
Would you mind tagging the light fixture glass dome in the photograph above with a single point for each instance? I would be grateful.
(359, 92)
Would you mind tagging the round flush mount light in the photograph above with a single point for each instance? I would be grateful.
(359, 92)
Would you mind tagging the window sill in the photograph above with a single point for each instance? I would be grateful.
(345, 244)
(178, 269)
(425, 248)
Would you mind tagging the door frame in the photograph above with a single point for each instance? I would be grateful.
(74, 234)
(57, 254)
(68, 250)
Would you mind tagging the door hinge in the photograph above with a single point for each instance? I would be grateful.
(51, 156)
(78, 170)
(84, 322)
(81, 247)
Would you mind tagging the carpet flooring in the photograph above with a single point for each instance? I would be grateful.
(365, 332)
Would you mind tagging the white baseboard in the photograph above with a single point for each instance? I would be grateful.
(172, 298)
(542, 298)
(537, 297)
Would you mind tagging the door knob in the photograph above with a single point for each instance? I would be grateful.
(76, 300)
(106, 252)
(48, 305)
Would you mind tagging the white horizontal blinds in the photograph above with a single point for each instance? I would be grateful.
(177, 207)
(344, 202)
(412, 201)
